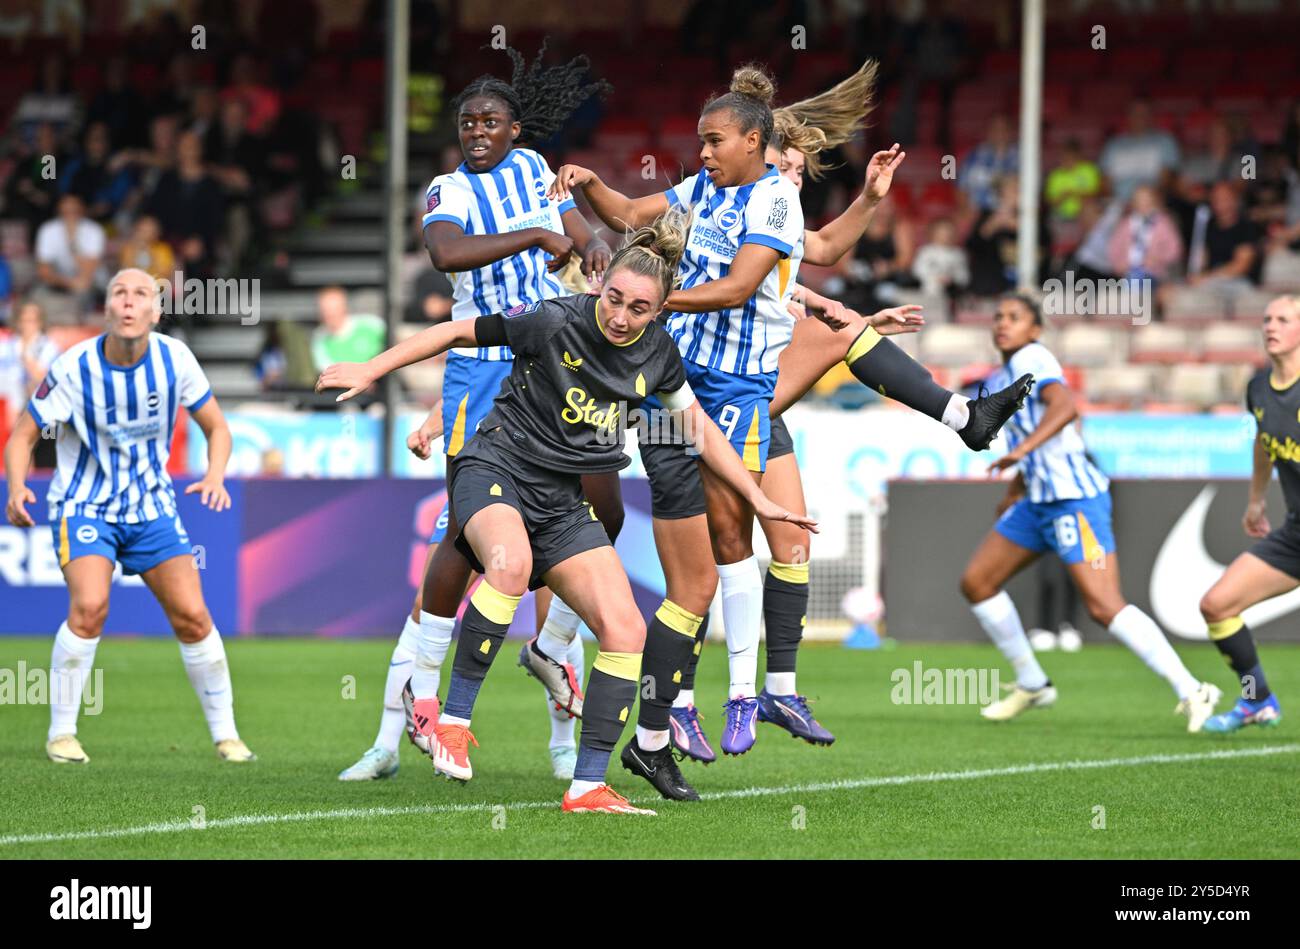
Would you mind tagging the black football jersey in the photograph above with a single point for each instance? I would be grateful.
(1277, 413)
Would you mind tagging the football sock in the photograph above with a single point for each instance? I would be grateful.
(1140, 633)
(562, 723)
(956, 415)
(433, 641)
(686, 695)
(882, 367)
(70, 666)
(742, 613)
(999, 618)
(482, 630)
(669, 641)
(649, 740)
(611, 691)
(1232, 638)
(559, 630)
(205, 664)
(785, 606)
(400, 668)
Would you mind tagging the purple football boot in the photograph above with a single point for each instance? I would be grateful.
(792, 713)
(739, 732)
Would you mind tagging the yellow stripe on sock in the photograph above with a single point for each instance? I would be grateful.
(1226, 627)
(678, 619)
(64, 552)
(620, 665)
(458, 428)
(862, 345)
(789, 572)
(498, 607)
(750, 457)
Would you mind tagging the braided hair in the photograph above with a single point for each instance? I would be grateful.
(540, 98)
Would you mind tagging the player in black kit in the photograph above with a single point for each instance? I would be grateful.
(583, 364)
(1271, 566)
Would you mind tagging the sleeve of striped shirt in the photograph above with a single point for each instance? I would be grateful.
(192, 385)
(774, 217)
(548, 177)
(445, 200)
(1037, 359)
(53, 399)
(687, 192)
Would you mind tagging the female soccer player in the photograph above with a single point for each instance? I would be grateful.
(491, 227)
(1272, 566)
(583, 364)
(114, 399)
(1058, 501)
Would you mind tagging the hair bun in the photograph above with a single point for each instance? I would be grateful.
(754, 82)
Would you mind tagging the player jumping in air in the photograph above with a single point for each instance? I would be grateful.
(1059, 501)
(582, 364)
(1272, 566)
(115, 399)
(491, 227)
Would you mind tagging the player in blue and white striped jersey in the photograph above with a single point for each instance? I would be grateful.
(490, 226)
(1059, 501)
(114, 400)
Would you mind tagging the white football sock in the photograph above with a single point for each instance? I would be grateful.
(685, 698)
(559, 630)
(209, 673)
(434, 641)
(779, 683)
(742, 615)
(562, 724)
(71, 662)
(956, 414)
(1140, 633)
(999, 618)
(651, 740)
(579, 788)
(400, 668)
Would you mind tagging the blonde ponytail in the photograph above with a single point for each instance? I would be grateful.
(655, 249)
(826, 120)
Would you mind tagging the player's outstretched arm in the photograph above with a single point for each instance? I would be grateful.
(1061, 411)
(1255, 521)
(212, 488)
(451, 250)
(827, 245)
(616, 209)
(750, 268)
(356, 377)
(716, 452)
(18, 462)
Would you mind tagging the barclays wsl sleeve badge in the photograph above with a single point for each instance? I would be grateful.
(434, 198)
(46, 387)
(521, 309)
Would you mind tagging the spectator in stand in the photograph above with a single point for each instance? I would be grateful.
(343, 336)
(146, 166)
(272, 363)
(89, 177)
(941, 265)
(431, 299)
(238, 161)
(33, 186)
(204, 113)
(992, 244)
(1072, 180)
(147, 250)
(882, 263)
(69, 252)
(118, 106)
(1143, 155)
(993, 159)
(1225, 245)
(179, 93)
(51, 103)
(189, 206)
(261, 102)
(1145, 244)
(25, 356)
(1218, 161)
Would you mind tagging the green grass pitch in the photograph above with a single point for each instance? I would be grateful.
(152, 766)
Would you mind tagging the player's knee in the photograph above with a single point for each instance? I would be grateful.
(191, 625)
(86, 616)
(1215, 606)
(975, 588)
(794, 548)
(619, 627)
(695, 592)
(731, 546)
(510, 573)
(1103, 612)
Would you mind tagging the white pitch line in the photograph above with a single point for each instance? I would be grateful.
(349, 813)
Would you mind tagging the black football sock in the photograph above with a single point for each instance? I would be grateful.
(785, 606)
(701, 634)
(882, 367)
(611, 690)
(487, 617)
(1233, 639)
(669, 644)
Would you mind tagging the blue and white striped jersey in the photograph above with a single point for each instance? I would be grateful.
(746, 341)
(1059, 469)
(510, 197)
(115, 428)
